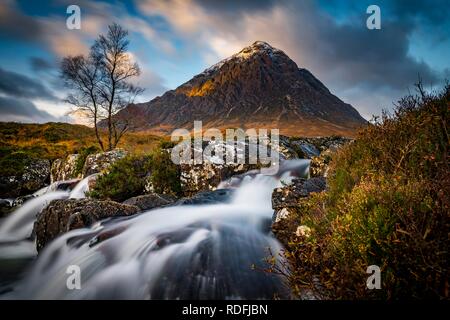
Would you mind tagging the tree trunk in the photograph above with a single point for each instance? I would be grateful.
(99, 140)
(110, 131)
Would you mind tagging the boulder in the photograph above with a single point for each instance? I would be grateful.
(305, 149)
(319, 165)
(21, 200)
(34, 177)
(207, 197)
(64, 169)
(214, 169)
(61, 216)
(100, 162)
(207, 176)
(5, 207)
(151, 201)
(286, 198)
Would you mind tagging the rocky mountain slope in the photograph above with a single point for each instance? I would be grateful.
(259, 87)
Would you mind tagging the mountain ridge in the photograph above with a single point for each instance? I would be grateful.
(258, 87)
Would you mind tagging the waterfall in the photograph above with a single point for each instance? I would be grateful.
(209, 251)
(18, 225)
(79, 192)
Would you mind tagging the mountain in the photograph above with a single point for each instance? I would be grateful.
(259, 87)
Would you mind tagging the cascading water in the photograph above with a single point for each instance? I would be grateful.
(17, 245)
(210, 251)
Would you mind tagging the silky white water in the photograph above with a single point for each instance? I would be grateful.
(213, 251)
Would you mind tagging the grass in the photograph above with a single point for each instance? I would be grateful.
(387, 204)
(21, 143)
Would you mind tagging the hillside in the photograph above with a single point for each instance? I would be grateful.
(55, 140)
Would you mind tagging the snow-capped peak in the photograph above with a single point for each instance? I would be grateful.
(247, 52)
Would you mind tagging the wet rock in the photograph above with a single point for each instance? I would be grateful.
(34, 177)
(5, 207)
(100, 162)
(61, 216)
(65, 169)
(21, 200)
(319, 165)
(286, 149)
(208, 197)
(305, 149)
(151, 201)
(289, 196)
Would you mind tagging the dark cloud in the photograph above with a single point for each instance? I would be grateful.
(22, 110)
(332, 41)
(15, 25)
(373, 59)
(237, 6)
(41, 65)
(434, 12)
(21, 86)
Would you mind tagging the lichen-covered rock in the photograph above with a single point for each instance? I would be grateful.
(100, 162)
(64, 169)
(151, 201)
(207, 176)
(216, 167)
(61, 216)
(34, 177)
(289, 196)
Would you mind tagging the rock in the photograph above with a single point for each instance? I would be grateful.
(61, 216)
(150, 201)
(21, 200)
(286, 201)
(64, 169)
(305, 149)
(207, 175)
(208, 197)
(286, 149)
(319, 165)
(303, 231)
(5, 207)
(281, 214)
(34, 177)
(100, 162)
(288, 197)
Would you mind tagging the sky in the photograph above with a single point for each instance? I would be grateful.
(173, 40)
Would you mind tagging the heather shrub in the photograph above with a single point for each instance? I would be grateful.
(128, 177)
(387, 204)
